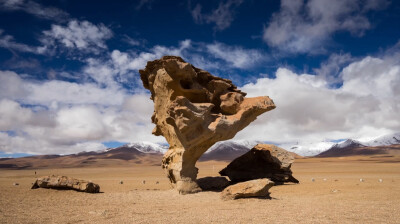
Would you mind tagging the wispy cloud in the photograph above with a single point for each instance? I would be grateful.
(222, 16)
(8, 42)
(77, 35)
(236, 56)
(143, 3)
(35, 9)
(306, 26)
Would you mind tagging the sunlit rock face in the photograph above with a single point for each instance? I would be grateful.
(193, 110)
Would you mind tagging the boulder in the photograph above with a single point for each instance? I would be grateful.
(193, 110)
(262, 161)
(66, 183)
(212, 183)
(251, 188)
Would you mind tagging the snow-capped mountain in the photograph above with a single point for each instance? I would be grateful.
(147, 147)
(235, 145)
(316, 148)
(390, 139)
(348, 143)
(308, 148)
(228, 150)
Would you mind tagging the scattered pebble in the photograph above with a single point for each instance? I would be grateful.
(157, 182)
(312, 179)
(334, 191)
(15, 184)
(143, 182)
(121, 182)
(380, 180)
(336, 180)
(361, 180)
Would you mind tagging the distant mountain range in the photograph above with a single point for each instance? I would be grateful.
(120, 156)
(381, 145)
(144, 153)
(316, 148)
(148, 153)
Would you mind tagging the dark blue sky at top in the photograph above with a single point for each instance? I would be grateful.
(168, 22)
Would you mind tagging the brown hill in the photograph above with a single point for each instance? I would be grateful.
(122, 156)
(361, 150)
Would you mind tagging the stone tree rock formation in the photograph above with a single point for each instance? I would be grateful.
(193, 110)
(262, 161)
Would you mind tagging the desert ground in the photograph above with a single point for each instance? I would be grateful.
(336, 196)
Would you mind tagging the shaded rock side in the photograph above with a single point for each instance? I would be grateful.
(193, 110)
(213, 183)
(66, 183)
(251, 188)
(262, 161)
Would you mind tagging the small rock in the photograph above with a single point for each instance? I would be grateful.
(361, 180)
(324, 179)
(312, 179)
(15, 184)
(143, 182)
(121, 182)
(252, 188)
(380, 180)
(157, 182)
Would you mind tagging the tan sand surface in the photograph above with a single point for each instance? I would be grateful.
(341, 198)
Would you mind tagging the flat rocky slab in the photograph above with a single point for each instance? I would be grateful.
(66, 183)
(248, 189)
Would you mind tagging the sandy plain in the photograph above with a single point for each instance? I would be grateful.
(341, 198)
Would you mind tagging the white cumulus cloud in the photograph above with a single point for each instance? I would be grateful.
(306, 26)
(81, 35)
(309, 110)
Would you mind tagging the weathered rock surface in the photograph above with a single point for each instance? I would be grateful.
(66, 183)
(212, 183)
(262, 161)
(251, 188)
(193, 110)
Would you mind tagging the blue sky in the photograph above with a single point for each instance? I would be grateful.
(69, 70)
